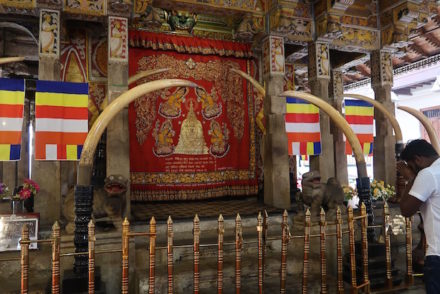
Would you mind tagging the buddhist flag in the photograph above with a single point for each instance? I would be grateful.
(302, 127)
(11, 118)
(360, 115)
(61, 120)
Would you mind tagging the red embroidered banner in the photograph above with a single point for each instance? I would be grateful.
(190, 143)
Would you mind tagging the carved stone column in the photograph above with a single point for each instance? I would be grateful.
(276, 161)
(384, 161)
(47, 173)
(336, 95)
(118, 152)
(319, 80)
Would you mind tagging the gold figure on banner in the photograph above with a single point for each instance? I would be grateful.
(219, 139)
(191, 140)
(164, 138)
(210, 109)
(172, 107)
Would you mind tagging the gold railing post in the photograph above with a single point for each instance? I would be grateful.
(386, 221)
(170, 260)
(221, 232)
(55, 258)
(352, 250)
(409, 269)
(265, 224)
(322, 227)
(24, 259)
(364, 225)
(339, 250)
(196, 230)
(92, 240)
(307, 224)
(238, 245)
(152, 255)
(284, 242)
(260, 252)
(125, 247)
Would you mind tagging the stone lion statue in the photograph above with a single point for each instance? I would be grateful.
(108, 202)
(316, 194)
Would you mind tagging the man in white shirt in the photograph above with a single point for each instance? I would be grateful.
(421, 169)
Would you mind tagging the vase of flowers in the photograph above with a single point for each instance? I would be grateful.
(350, 196)
(26, 193)
(380, 191)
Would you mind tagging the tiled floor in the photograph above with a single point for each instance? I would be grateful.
(207, 208)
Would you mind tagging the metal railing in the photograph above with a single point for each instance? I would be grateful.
(262, 229)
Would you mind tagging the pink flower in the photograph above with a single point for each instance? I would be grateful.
(33, 186)
(25, 193)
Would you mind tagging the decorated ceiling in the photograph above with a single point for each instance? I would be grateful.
(408, 29)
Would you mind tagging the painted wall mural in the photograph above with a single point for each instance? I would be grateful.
(49, 33)
(73, 57)
(118, 39)
(276, 55)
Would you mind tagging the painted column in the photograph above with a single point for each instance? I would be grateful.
(336, 95)
(48, 173)
(319, 80)
(118, 152)
(276, 161)
(384, 162)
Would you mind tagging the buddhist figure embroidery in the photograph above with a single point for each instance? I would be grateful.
(219, 139)
(163, 136)
(171, 108)
(191, 140)
(210, 109)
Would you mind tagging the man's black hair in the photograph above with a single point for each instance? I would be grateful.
(418, 147)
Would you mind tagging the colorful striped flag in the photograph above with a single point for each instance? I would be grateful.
(360, 115)
(302, 127)
(11, 118)
(61, 120)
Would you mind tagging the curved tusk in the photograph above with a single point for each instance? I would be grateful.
(144, 74)
(426, 123)
(380, 107)
(4, 60)
(89, 147)
(339, 120)
(254, 82)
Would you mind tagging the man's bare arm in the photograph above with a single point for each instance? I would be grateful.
(409, 205)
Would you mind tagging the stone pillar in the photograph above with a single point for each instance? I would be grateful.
(118, 152)
(336, 94)
(319, 80)
(276, 160)
(384, 162)
(47, 173)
